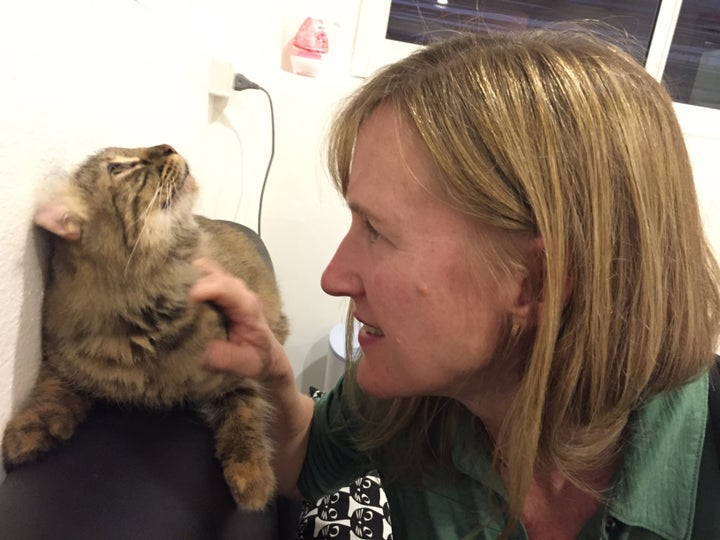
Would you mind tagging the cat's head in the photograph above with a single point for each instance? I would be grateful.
(141, 193)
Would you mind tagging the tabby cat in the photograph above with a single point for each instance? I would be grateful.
(117, 322)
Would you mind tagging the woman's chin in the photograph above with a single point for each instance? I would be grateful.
(372, 384)
(381, 385)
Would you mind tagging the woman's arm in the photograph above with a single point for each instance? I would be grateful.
(252, 351)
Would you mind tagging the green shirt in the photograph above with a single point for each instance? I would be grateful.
(667, 486)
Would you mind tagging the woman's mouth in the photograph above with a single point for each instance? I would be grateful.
(372, 330)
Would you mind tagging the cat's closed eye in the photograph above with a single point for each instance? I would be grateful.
(118, 167)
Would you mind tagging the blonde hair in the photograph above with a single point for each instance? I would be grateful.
(559, 134)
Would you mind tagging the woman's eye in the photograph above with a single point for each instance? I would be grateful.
(373, 234)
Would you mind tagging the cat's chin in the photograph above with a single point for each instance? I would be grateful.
(189, 188)
(182, 196)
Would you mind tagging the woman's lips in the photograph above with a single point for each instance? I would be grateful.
(369, 328)
(369, 335)
(373, 330)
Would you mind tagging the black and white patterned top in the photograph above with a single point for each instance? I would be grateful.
(358, 511)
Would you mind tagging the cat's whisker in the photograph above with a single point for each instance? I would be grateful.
(168, 197)
(144, 217)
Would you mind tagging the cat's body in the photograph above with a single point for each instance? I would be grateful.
(117, 321)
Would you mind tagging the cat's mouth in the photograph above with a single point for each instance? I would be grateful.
(178, 190)
(176, 175)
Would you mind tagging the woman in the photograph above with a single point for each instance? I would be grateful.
(539, 304)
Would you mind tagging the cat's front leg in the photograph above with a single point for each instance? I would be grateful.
(52, 413)
(240, 422)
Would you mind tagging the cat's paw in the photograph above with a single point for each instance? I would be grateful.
(252, 484)
(33, 432)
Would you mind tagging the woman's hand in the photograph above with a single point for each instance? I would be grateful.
(251, 349)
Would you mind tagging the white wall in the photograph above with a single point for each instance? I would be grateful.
(79, 75)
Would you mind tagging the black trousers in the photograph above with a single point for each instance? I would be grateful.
(134, 474)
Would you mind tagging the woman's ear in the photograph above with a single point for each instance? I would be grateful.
(530, 295)
(532, 287)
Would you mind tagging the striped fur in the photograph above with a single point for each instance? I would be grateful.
(117, 321)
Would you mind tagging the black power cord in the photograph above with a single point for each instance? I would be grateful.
(241, 82)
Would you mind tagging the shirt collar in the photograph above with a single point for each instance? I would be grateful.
(471, 455)
(657, 481)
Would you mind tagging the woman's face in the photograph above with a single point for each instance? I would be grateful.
(431, 318)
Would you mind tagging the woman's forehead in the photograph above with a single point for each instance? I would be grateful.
(388, 142)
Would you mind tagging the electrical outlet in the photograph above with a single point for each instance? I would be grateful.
(221, 78)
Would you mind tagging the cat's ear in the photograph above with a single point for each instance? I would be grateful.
(63, 215)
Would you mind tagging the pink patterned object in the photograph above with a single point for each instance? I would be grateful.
(311, 36)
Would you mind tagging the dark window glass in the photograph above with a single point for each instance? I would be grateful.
(421, 21)
(692, 71)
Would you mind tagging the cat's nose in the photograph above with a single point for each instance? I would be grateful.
(161, 150)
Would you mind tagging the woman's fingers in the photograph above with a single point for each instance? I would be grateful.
(241, 359)
(230, 294)
(251, 349)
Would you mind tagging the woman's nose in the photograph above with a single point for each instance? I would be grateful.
(341, 276)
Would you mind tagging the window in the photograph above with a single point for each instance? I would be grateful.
(677, 40)
(692, 72)
(418, 21)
